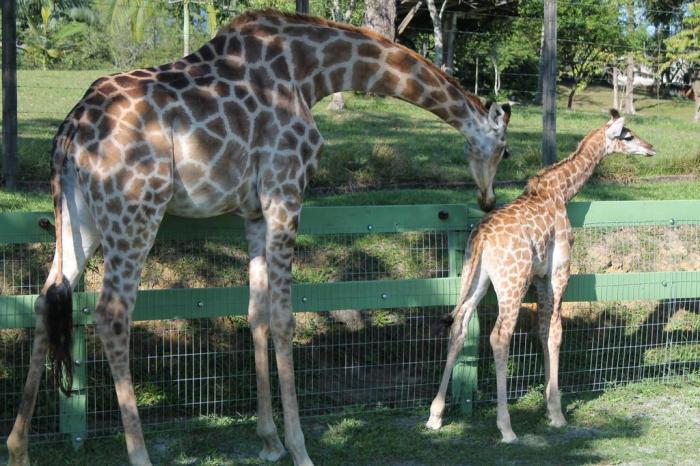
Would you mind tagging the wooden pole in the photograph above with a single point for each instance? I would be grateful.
(549, 84)
(9, 94)
(303, 6)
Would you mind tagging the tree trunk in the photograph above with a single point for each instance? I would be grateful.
(549, 84)
(450, 49)
(476, 78)
(337, 103)
(496, 78)
(437, 30)
(629, 85)
(570, 101)
(616, 88)
(538, 95)
(380, 16)
(696, 91)
(9, 94)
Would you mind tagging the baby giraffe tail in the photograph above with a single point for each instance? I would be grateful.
(471, 265)
(58, 315)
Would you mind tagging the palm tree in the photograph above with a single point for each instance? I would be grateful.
(134, 13)
(50, 29)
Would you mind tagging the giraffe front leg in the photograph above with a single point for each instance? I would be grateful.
(282, 221)
(259, 321)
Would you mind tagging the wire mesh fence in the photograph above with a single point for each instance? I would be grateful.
(357, 358)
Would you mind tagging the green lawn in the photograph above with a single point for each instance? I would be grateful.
(636, 424)
(383, 141)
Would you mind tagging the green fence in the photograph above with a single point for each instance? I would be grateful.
(390, 273)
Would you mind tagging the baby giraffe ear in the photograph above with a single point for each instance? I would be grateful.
(614, 129)
(614, 114)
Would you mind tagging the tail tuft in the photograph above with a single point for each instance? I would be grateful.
(448, 319)
(58, 319)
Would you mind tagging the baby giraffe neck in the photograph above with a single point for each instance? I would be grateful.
(568, 176)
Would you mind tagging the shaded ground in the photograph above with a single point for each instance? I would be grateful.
(644, 423)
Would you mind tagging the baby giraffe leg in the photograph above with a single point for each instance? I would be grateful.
(551, 336)
(458, 333)
(500, 342)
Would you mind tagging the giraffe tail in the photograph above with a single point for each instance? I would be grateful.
(471, 265)
(58, 315)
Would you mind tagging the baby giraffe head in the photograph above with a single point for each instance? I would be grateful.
(619, 139)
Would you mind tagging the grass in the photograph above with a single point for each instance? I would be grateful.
(667, 190)
(383, 141)
(637, 423)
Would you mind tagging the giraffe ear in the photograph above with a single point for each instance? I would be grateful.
(615, 128)
(497, 117)
(614, 115)
(506, 113)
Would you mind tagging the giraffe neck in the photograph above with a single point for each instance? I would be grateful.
(322, 57)
(568, 176)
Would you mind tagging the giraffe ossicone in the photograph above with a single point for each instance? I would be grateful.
(227, 129)
(529, 242)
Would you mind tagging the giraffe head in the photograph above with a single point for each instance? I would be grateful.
(619, 139)
(485, 149)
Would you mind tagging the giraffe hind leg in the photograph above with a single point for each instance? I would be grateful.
(124, 257)
(458, 333)
(550, 330)
(259, 321)
(510, 291)
(79, 243)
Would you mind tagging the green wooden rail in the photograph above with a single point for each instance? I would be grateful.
(455, 220)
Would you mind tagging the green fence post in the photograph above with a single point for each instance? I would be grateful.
(464, 374)
(73, 409)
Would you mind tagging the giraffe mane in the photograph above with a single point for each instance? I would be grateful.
(251, 16)
(534, 181)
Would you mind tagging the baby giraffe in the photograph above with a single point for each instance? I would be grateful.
(528, 241)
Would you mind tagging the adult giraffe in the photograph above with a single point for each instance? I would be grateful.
(226, 129)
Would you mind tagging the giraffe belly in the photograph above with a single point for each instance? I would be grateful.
(204, 200)
(212, 179)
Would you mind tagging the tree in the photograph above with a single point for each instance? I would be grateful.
(436, 17)
(629, 71)
(380, 16)
(130, 13)
(684, 49)
(341, 14)
(589, 33)
(52, 29)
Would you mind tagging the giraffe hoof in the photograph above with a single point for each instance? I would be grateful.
(18, 460)
(434, 423)
(509, 437)
(272, 454)
(17, 449)
(557, 421)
